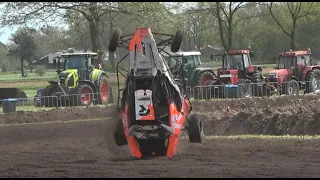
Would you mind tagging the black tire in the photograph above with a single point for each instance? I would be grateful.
(114, 41)
(195, 129)
(176, 42)
(267, 90)
(49, 98)
(205, 78)
(104, 97)
(257, 78)
(290, 88)
(245, 84)
(119, 135)
(87, 100)
(313, 74)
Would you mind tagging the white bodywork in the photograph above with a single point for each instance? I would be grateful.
(146, 60)
(143, 99)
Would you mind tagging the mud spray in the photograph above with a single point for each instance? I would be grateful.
(117, 153)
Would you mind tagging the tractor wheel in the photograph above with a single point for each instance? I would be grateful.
(313, 78)
(267, 90)
(104, 90)
(257, 78)
(291, 88)
(245, 84)
(176, 42)
(84, 95)
(114, 41)
(49, 97)
(119, 135)
(195, 129)
(205, 78)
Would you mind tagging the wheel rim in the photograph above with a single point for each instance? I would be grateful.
(315, 83)
(87, 95)
(292, 89)
(104, 90)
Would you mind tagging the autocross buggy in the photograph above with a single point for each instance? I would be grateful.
(153, 105)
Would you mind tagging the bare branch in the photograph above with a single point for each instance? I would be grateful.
(276, 20)
(236, 8)
(223, 10)
(307, 13)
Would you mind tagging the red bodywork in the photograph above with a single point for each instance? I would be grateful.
(282, 75)
(176, 118)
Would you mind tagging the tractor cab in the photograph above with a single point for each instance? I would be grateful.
(192, 66)
(236, 64)
(291, 64)
(189, 60)
(77, 64)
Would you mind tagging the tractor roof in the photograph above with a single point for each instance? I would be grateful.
(234, 52)
(191, 53)
(295, 53)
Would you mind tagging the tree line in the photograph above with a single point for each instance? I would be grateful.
(269, 28)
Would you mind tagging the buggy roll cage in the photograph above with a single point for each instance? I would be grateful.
(124, 42)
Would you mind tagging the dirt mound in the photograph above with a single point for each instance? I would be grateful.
(294, 115)
(299, 115)
(74, 113)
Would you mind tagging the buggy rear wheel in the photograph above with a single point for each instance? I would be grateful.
(195, 129)
(114, 41)
(176, 42)
(119, 135)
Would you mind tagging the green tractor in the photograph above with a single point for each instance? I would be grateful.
(197, 75)
(79, 83)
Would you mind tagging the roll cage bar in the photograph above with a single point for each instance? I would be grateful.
(163, 40)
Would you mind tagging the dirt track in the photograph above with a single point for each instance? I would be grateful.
(82, 150)
(86, 149)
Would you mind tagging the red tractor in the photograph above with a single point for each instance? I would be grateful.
(237, 69)
(295, 71)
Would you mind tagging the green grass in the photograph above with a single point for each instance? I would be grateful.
(16, 77)
(30, 92)
(29, 106)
